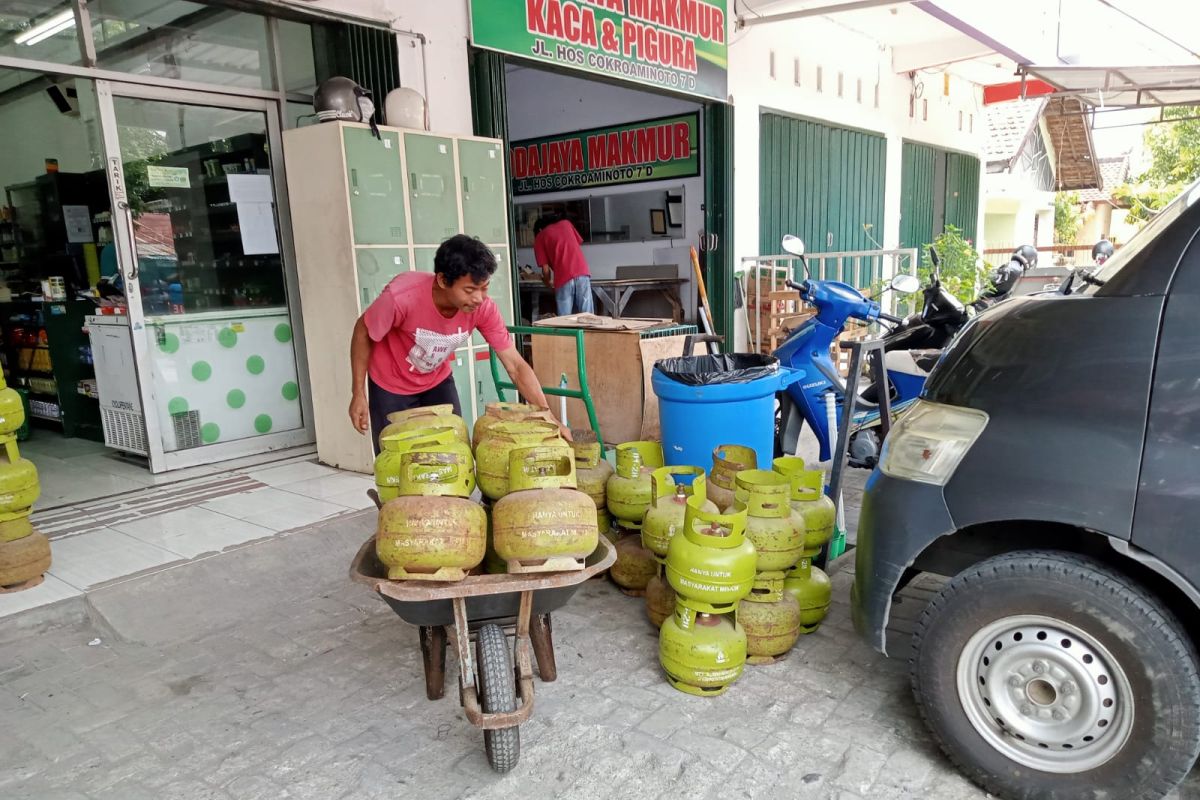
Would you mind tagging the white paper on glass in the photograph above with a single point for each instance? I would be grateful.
(256, 221)
(250, 189)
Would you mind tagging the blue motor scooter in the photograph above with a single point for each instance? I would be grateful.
(818, 398)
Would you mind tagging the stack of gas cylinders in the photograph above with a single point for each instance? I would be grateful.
(724, 559)
(533, 518)
(24, 552)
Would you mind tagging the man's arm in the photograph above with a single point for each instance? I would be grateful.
(527, 383)
(547, 275)
(360, 354)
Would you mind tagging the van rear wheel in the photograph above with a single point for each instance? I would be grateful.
(1045, 674)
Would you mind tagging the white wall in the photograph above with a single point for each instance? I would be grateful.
(441, 65)
(821, 43)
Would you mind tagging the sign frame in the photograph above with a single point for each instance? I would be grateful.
(711, 74)
(636, 173)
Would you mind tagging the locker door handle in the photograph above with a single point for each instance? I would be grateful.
(412, 181)
(354, 181)
(466, 186)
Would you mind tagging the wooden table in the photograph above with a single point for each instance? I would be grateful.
(614, 294)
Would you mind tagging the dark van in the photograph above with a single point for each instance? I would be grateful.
(1051, 469)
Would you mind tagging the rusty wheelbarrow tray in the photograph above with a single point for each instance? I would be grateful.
(481, 607)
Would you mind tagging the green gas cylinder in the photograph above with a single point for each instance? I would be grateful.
(430, 538)
(728, 461)
(767, 587)
(492, 454)
(604, 521)
(12, 411)
(813, 591)
(629, 490)
(817, 509)
(592, 471)
(19, 484)
(710, 563)
(702, 654)
(660, 599)
(451, 472)
(495, 413)
(669, 494)
(635, 565)
(776, 530)
(771, 628)
(544, 524)
(439, 416)
(23, 561)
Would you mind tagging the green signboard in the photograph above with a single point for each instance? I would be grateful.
(652, 150)
(671, 44)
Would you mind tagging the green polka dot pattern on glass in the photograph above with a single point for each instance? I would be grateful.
(209, 432)
(290, 391)
(202, 371)
(255, 365)
(283, 332)
(236, 398)
(227, 337)
(263, 423)
(177, 405)
(169, 343)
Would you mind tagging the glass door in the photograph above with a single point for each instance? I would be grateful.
(195, 183)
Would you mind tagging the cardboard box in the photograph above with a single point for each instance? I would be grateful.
(619, 356)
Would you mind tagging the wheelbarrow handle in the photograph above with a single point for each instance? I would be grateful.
(690, 340)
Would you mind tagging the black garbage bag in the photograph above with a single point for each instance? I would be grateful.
(720, 368)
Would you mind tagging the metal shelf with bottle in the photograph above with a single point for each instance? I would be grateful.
(48, 355)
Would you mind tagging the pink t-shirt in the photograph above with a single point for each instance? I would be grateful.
(414, 342)
(558, 247)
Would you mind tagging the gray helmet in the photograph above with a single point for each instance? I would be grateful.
(341, 98)
(1027, 254)
(1102, 251)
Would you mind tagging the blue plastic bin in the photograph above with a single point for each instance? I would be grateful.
(696, 419)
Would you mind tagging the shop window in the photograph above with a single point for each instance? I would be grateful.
(182, 40)
(41, 31)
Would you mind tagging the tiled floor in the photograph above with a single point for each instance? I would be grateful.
(78, 470)
(153, 528)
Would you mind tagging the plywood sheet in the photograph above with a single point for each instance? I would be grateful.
(618, 368)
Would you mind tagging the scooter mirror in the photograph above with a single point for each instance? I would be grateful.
(793, 245)
(906, 284)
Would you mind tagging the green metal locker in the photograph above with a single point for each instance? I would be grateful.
(423, 258)
(375, 181)
(485, 386)
(432, 187)
(962, 194)
(821, 183)
(481, 167)
(500, 290)
(916, 195)
(376, 266)
(464, 378)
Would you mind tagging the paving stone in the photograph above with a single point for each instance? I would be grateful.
(297, 684)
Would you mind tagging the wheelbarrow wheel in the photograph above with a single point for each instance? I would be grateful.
(498, 693)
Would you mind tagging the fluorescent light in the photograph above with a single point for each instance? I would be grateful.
(47, 28)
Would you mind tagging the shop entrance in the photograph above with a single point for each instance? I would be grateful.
(194, 181)
(639, 210)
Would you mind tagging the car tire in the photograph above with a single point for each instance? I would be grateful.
(1047, 675)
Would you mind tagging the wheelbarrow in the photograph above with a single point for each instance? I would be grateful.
(485, 609)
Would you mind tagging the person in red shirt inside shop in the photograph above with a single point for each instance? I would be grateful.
(556, 248)
(403, 344)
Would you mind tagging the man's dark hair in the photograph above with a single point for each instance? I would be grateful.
(464, 255)
(545, 221)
